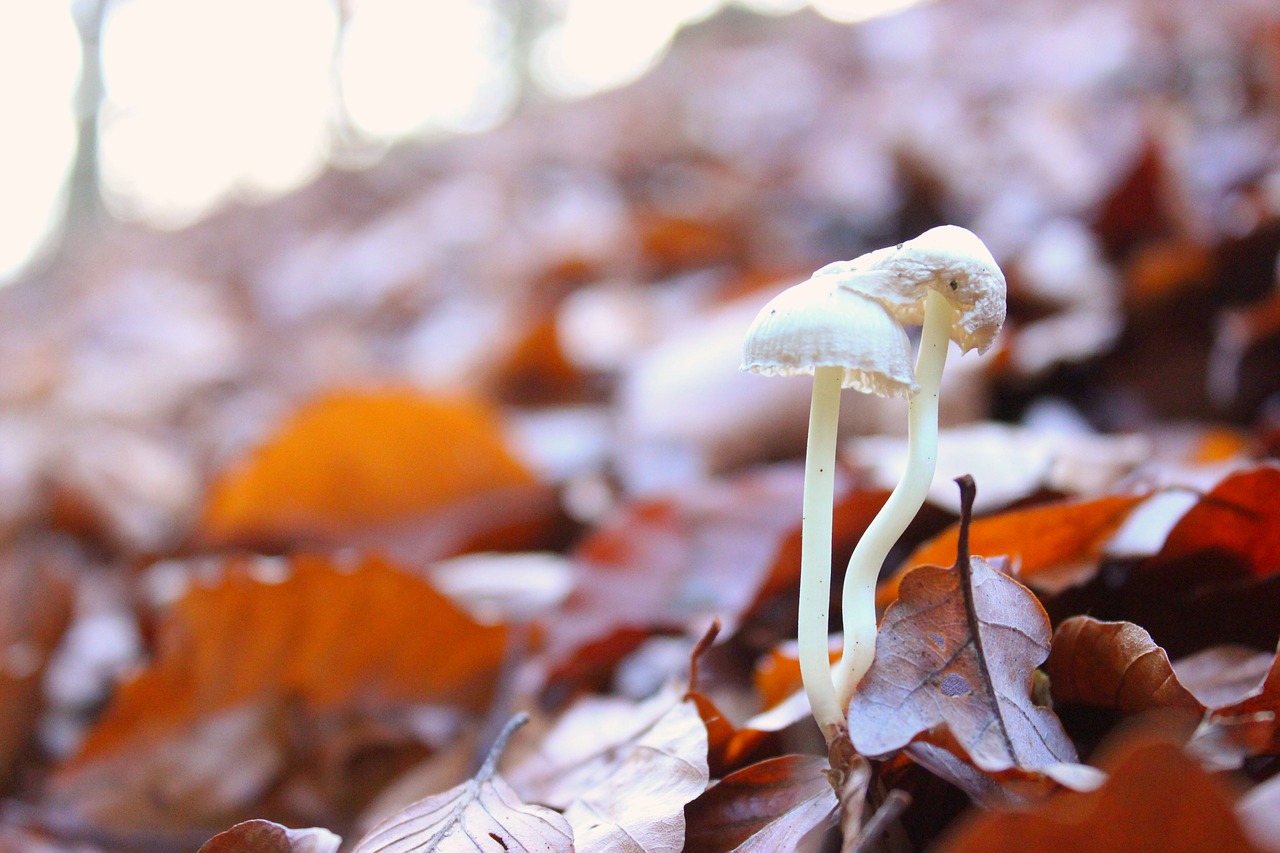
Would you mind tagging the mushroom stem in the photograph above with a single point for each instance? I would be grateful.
(815, 551)
(859, 608)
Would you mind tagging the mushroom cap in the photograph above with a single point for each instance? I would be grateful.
(948, 259)
(819, 323)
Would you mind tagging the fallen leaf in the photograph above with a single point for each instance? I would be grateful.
(35, 607)
(263, 836)
(1240, 518)
(1051, 546)
(953, 667)
(717, 551)
(352, 459)
(1114, 665)
(1155, 799)
(1223, 675)
(1259, 814)
(1232, 733)
(621, 771)
(483, 813)
(767, 807)
(260, 636)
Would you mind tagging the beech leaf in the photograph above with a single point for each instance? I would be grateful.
(1114, 665)
(767, 807)
(263, 836)
(1243, 729)
(622, 772)
(483, 813)
(1155, 799)
(953, 667)
(352, 459)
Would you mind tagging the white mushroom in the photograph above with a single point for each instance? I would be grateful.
(946, 280)
(844, 339)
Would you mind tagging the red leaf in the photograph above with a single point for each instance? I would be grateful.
(1239, 517)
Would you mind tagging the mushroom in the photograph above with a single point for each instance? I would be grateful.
(946, 281)
(844, 339)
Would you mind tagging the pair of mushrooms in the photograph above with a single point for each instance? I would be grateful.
(845, 327)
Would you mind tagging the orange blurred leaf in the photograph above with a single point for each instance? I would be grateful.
(1052, 546)
(355, 458)
(306, 630)
(1240, 517)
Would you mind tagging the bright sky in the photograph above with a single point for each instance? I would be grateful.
(208, 100)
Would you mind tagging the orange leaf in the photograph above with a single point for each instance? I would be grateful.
(356, 458)
(307, 631)
(1156, 799)
(1050, 544)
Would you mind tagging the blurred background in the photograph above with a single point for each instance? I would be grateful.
(552, 220)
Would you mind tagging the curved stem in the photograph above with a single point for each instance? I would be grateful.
(859, 600)
(815, 550)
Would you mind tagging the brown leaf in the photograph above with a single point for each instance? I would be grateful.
(35, 606)
(1223, 675)
(622, 772)
(353, 459)
(483, 813)
(1243, 729)
(1155, 799)
(1259, 813)
(263, 836)
(1052, 546)
(262, 636)
(953, 667)
(767, 807)
(1114, 665)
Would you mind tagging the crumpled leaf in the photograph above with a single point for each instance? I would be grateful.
(263, 836)
(483, 813)
(260, 636)
(954, 661)
(1250, 727)
(767, 807)
(353, 459)
(1155, 799)
(1051, 546)
(1114, 665)
(622, 772)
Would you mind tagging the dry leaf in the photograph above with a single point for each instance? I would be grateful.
(1114, 665)
(353, 459)
(1051, 546)
(953, 667)
(263, 836)
(621, 771)
(1240, 517)
(269, 634)
(1156, 799)
(768, 807)
(483, 813)
(1223, 675)
(1250, 727)
(1259, 814)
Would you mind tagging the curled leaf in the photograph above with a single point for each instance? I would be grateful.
(263, 836)
(1114, 665)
